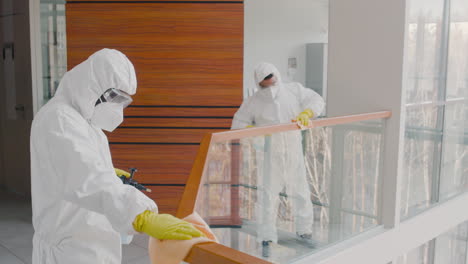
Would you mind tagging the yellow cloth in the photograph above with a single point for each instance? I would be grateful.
(303, 118)
(175, 251)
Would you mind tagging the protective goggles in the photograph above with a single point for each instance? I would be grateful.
(269, 76)
(113, 95)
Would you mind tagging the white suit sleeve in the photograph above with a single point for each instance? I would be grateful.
(88, 181)
(244, 116)
(309, 99)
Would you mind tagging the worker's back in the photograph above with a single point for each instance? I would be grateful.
(60, 225)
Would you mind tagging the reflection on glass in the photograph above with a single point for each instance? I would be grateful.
(321, 183)
(425, 23)
(450, 247)
(422, 142)
(423, 132)
(454, 167)
(457, 72)
(454, 164)
(436, 133)
(53, 45)
(419, 255)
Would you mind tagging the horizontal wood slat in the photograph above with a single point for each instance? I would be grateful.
(178, 122)
(166, 197)
(137, 135)
(152, 1)
(162, 164)
(184, 54)
(182, 111)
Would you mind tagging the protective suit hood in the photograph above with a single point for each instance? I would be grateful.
(85, 83)
(263, 70)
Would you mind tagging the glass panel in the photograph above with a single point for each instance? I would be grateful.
(419, 255)
(454, 168)
(422, 142)
(450, 247)
(53, 45)
(435, 162)
(457, 81)
(424, 71)
(323, 183)
(423, 50)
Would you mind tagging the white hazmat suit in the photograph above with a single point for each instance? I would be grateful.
(79, 205)
(283, 166)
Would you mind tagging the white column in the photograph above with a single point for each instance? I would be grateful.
(365, 74)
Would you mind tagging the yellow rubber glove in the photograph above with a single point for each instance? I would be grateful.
(249, 126)
(120, 173)
(165, 226)
(305, 116)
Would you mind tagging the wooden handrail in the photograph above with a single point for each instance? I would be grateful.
(217, 253)
(187, 203)
(258, 131)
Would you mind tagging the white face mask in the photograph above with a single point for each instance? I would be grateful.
(107, 116)
(270, 91)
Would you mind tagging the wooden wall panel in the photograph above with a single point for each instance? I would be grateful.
(188, 57)
(159, 164)
(184, 54)
(159, 135)
(210, 123)
(167, 198)
(181, 111)
(149, 1)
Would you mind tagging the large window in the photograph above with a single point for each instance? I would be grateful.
(436, 133)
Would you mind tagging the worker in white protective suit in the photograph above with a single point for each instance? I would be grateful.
(277, 102)
(80, 206)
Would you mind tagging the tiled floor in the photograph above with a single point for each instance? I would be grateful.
(16, 233)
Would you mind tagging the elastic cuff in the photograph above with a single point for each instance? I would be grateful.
(140, 220)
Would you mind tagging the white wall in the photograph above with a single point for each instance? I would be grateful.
(276, 30)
